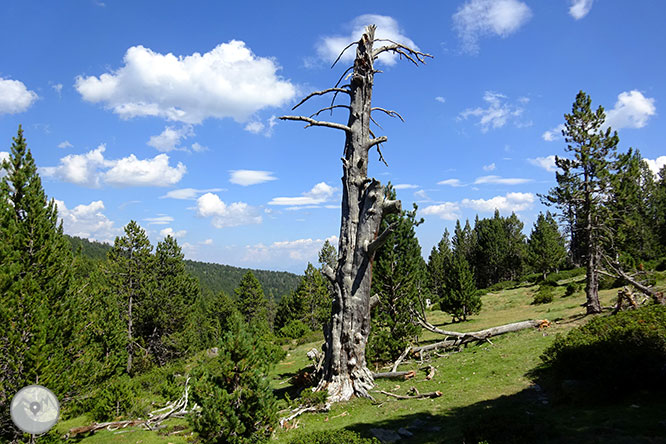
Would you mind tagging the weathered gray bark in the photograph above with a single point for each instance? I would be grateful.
(345, 373)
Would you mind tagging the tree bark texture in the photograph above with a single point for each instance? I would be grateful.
(344, 372)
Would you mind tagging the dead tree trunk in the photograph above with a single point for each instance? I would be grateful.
(345, 373)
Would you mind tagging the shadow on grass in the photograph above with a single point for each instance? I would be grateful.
(529, 417)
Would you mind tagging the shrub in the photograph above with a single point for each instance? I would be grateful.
(294, 329)
(504, 285)
(237, 404)
(607, 283)
(572, 288)
(531, 278)
(119, 398)
(566, 274)
(333, 437)
(544, 295)
(611, 355)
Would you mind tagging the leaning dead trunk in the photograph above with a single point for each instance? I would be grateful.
(345, 372)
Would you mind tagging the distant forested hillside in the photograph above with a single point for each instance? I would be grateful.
(212, 277)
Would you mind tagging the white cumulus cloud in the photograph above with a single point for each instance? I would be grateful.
(65, 144)
(506, 204)
(632, 110)
(15, 97)
(223, 215)
(500, 180)
(580, 8)
(170, 138)
(496, 114)
(480, 18)
(553, 134)
(319, 194)
(446, 210)
(295, 250)
(490, 167)
(92, 170)
(547, 163)
(87, 221)
(250, 177)
(656, 164)
(171, 232)
(228, 81)
(387, 28)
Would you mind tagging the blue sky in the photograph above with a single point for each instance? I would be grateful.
(165, 112)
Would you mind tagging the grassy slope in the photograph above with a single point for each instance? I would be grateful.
(485, 388)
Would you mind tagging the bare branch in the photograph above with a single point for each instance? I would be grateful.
(381, 239)
(392, 206)
(330, 108)
(312, 122)
(343, 51)
(381, 156)
(372, 142)
(410, 54)
(328, 273)
(401, 358)
(343, 75)
(389, 112)
(321, 93)
(375, 122)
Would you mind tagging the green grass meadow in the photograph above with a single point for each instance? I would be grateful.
(487, 392)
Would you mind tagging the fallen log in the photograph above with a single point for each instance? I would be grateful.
(395, 375)
(477, 336)
(435, 394)
(658, 298)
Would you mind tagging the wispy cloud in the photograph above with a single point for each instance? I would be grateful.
(500, 180)
(553, 134)
(479, 18)
(580, 8)
(250, 177)
(497, 113)
(188, 193)
(319, 194)
(451, 182)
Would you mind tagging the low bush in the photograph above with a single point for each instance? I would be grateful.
(566, 274)
(544, 295)
(611, 355)
(504, 285)
(608, 283)
(117, 399)
(333, 437)
(294, 329)
(572, 288)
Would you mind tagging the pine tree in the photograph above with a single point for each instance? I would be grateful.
(315, 295)
(167, 308)
(36, 326)
(461, 299)
(659, 205)
(398, 279)
(632, 209)
(584, 184)
(130, 275)
(439, 263)
(546, 245)
(251, 300)
(237, 404)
